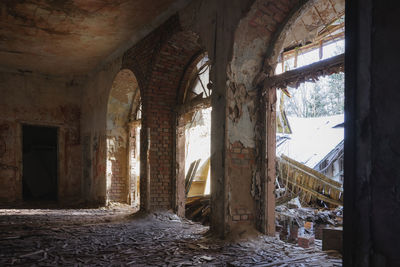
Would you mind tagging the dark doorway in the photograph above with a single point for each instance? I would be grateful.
(39, 163)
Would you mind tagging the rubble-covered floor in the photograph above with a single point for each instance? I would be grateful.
(115, 237)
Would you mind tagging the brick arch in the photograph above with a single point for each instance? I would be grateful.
(133, 65)
(141, 58)
(159, 99)
(123, 93)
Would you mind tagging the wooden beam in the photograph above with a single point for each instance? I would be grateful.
(199, 103)
(313, 173)
(331, 38)
(270, 173)
(309, 73)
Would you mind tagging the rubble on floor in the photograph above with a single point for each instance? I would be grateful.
(307, 203)
(114, 237)
(198, 209)
(301, 225)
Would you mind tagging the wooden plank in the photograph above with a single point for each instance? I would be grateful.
(307, 73)
(270, 160)
(192, 174)
(188, 175)
(311, 172)
(195, 104)
(319, 195)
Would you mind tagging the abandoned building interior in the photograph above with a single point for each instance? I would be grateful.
(160, 133)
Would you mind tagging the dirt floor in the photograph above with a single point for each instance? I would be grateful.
(114, 237)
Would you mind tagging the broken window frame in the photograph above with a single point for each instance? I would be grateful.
(331, 33)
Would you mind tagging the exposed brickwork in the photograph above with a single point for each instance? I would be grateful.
(158, 102)
(159, 62)
(241, 157)
(241, 161)
(242, 214)
(142, 56)
(118, 183)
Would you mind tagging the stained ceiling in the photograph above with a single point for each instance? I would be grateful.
(61, 37)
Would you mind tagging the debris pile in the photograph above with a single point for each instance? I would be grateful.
(85, 238)
(198, 209)
(312, 186)
(301, 225)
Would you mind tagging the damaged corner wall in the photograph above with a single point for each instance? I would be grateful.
(249, 116)
(371, 182)
(259, 39)
(36, 99)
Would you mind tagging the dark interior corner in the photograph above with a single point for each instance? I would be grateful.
(39, 163)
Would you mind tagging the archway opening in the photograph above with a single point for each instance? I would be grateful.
(310, 125)
(123, 139)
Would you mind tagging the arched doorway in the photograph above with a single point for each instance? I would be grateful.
(123, 127)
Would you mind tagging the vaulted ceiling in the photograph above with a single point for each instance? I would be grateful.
(74, 36)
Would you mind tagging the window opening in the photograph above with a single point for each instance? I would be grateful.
(197, 132)
(310, 135)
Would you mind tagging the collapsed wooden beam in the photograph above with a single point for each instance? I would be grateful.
(311, 172)
(309, 73)
(196, 104)
(310, 183)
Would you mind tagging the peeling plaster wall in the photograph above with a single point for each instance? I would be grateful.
(258, 39)
(237, 36)
(40, 100)
(215, 22)
(246, 125)
(94, 146)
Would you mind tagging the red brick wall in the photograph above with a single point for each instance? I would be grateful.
(241, 162)
(118, 183)
(159, 62)
(160, 99)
